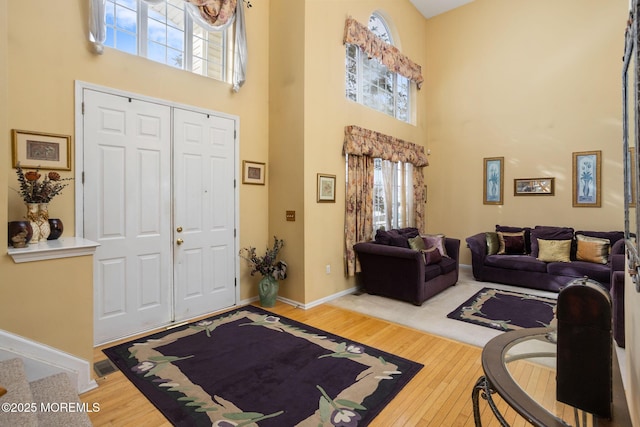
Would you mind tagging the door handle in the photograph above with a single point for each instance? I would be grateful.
(179, 229)
(179, 242)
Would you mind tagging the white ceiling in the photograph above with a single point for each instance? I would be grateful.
(430, 8)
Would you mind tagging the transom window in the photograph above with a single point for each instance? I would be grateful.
(370, 83)
(166, 33)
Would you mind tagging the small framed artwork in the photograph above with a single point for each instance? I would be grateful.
(326, 188)
(586, 179)
(35, 150)
(534, 187)
(253, 172)
(493, 191)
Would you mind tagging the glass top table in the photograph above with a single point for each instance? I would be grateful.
(520, 367)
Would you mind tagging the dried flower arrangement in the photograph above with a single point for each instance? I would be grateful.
(34, 190)
(266, 265)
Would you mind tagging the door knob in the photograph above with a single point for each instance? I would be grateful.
(179, 229)
(179, 242)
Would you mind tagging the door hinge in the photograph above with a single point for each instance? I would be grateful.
(234, 232)
(235, 283)
(235, 134)
(83, 108)
(83, 177)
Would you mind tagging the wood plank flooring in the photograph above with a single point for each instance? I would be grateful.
(439, 395)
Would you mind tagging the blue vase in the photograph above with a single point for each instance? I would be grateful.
(268, 291)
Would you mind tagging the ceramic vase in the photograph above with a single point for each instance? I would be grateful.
(43, 221)
(32, 217)
(56, 227)
(19, 233)
(268, 291)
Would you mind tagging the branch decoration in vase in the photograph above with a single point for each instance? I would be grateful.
(37, 194)
(270, 267)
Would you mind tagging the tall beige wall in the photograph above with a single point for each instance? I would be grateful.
(40, 60)
(532, 82)
(327, 112)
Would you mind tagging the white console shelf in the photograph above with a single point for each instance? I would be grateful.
(63, 247)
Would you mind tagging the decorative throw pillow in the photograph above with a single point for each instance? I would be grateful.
(546, 232)
(417, 243)
(554, 250)
(511, 243)
(493, 243)
(592, 249)
(436, 240)
(431, 255)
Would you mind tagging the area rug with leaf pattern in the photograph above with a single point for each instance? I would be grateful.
(250, 367)
(506, 310)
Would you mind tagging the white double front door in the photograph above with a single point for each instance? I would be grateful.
(159, 197)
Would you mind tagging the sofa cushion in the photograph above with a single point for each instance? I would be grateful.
(592, 249)
(417, 243)
(554, 250)
(516, 262)
(447, 265)
(431, 255)
(493, 243)
(548, 233)
(612, 236)
(436, 240)
(511, 243)
(432, 271)
(597, 272)
(392, 238)
(527, 234)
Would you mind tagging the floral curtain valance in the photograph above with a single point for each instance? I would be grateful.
(389, 55)
(215, 12)
(364, 142)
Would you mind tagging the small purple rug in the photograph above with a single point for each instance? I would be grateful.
(252, 367)
(505, 310)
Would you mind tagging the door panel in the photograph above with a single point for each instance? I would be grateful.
(204, 210)
(127, 206)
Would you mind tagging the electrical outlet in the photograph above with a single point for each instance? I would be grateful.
(328, 268)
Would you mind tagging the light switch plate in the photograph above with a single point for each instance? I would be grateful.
(291, 215)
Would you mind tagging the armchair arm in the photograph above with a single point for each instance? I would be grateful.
(478, 246)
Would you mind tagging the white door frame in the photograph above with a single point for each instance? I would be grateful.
(80, 86)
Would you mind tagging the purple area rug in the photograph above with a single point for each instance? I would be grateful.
(505, 310)
(251, 367)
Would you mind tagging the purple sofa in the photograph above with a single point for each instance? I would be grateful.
(522, 268)
(390, 268)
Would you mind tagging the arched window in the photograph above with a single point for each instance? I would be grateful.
(370, 83)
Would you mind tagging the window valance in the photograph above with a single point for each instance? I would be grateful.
(364, 142)
(357, 34)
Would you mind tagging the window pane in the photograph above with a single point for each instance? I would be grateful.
(165, 37)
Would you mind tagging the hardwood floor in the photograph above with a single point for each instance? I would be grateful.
(439, 395)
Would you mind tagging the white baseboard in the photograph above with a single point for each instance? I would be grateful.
(41, 360)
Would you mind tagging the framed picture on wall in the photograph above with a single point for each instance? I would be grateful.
(253, 172)
(586, 179)
(41, 150)
(493, 190)
(534, 187)
(326, 188)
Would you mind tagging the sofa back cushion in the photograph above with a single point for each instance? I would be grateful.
(592, 249)
(396, 237)
(548, 233)
(510, 229)
(511, 243)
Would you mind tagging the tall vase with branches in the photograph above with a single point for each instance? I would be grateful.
(270, 267)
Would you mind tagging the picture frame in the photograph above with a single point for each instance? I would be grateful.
(39, 150)
(586, 179)
(253, 172)
(630, 197)
(534, 186)
(493, 187)
(326, 188)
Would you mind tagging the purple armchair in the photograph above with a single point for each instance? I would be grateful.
(401, 273)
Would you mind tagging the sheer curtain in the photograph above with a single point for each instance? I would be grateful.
(361, 147)
(212, 15)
